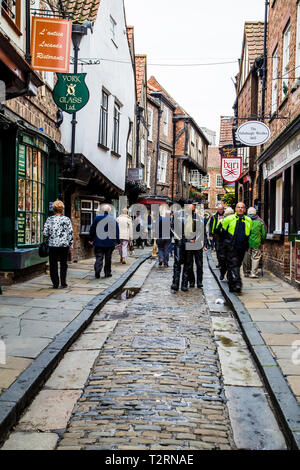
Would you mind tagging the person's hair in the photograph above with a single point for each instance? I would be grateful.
(106, 208)
(228, 211)
(124, 211)
(58, 207)
(251, 210)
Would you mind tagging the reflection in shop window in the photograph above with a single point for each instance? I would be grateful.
(31, 195)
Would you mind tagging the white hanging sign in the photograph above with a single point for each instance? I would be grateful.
(253, 133)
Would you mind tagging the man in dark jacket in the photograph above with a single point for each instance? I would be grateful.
(213, 236)
(235, 231)
(104, 236)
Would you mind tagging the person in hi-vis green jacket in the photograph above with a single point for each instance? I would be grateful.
(235, 232)
(258, 235)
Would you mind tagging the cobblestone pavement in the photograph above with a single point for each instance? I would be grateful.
(156, 383)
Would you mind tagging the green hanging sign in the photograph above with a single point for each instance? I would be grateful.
(71, 92)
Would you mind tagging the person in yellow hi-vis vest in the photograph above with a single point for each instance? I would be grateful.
(235, 232)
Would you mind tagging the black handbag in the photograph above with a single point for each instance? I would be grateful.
(44, 250)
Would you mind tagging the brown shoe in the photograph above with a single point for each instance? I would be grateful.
(123, 261)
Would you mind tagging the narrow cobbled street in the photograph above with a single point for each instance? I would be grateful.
(157, 382)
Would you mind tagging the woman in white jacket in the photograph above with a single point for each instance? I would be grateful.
(125, 228)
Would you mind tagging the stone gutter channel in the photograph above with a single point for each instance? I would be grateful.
(19, 395)
(285, 404)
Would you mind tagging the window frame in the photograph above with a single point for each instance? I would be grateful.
(162, 167)
(286, 41)
(92, 211)
(166, 120)
(275, 63)
(102, 139)
(116, 128)
(32, 179)
(219, 185)
(14, 23)
(150, 123)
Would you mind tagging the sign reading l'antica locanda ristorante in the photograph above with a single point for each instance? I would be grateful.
(51, 44)
(70, 92)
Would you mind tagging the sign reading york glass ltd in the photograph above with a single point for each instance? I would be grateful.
(253, 133)
(70, 92)
(50, 44)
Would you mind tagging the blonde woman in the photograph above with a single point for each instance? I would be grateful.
(59, 233)
(125, 228)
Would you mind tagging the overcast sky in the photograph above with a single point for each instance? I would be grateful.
(197, 32)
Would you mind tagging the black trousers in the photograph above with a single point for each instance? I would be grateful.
(103, 253)
(234, 260)
(58, 254)
(181, 257)
(196, 255)
(218, 247)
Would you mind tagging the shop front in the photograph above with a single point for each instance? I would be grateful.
(281, 188)
(29, 183)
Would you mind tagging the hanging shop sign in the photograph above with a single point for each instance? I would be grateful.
(231, 168)
(51, 44)
(135, 174)
(253, 133)
(228, 151)
(71, 92)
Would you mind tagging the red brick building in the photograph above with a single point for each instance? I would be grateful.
(274, 168)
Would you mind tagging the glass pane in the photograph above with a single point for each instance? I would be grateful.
(39, 228)
(39, 166)
(28, 162)
(28, 229)
(34, 229)
(34, 165)
(21, 194)
(28, 195)
(34, 196)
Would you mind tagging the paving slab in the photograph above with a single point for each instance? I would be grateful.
(31, 441)
(72, 371)
(90, 341)
(276, 327)
(25, 346)
(280, 339)
(237, 367)
(50, 410)
(254, 425)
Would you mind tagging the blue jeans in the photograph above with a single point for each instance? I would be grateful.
(163, 250)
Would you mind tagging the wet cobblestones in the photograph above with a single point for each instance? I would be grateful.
(157, 382)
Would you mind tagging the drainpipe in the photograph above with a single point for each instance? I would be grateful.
(157, 148)
(137, 140)
(263, 98)
(173, 156)
(27, 37)
(78, 31)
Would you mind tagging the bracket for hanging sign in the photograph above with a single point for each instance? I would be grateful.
(50, 13)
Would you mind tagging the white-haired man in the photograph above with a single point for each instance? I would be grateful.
(257, 237)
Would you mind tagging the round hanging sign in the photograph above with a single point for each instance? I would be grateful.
(253, 133)
(71, 92)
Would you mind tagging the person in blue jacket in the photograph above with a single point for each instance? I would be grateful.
(104, 236)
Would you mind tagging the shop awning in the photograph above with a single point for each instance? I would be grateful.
(20, 79)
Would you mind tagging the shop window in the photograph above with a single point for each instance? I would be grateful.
(89, 210)
(219, 199)
(296, 210)
(205, 181)
(31, 195)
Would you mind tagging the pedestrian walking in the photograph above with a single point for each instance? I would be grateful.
(140, 229)
(197, 255)
(236, 229)
(104, 237)
(164, 240)
(59, 233)
(222, 246)
(214, 237)
(257, 237)
(125, 234)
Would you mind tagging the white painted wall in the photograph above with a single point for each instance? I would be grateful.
(118, 79)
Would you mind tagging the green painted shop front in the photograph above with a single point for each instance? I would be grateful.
(29, 183)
